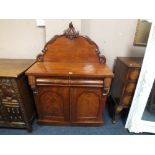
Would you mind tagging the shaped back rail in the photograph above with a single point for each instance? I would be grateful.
(71, 47)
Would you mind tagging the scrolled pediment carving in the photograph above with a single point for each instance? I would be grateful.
(102, 59)
(73, 48)
(71, 33)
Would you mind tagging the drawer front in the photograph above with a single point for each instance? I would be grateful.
(126, 100)
(130, 88)
(69, 82)
(133, 74)
(86, 82)
(127, 95)
(52, 81)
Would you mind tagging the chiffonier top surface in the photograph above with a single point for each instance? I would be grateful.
(14, 67)
(70, 69)
(132, 61)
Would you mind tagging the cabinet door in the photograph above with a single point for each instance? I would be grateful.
(86, 105)
(52, 104)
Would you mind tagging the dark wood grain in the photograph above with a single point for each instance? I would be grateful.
(16, 100)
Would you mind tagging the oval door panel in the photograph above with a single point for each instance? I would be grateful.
(88, 105)
(51, 104)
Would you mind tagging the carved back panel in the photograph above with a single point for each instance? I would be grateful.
(71, 47)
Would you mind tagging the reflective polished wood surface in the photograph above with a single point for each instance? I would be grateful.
(72, 69)
(70, 81)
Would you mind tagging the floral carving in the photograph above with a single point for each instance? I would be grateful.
(71, 33)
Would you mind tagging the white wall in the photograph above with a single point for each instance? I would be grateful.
(114, 37)
(57, 26)
(20, 39)
(23, 39)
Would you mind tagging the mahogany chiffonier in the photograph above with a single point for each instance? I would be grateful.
(126, 70)
(70, 81)
(16, 99)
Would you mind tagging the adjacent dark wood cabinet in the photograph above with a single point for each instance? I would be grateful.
(16, 102)
(70, 81)
(126, 72)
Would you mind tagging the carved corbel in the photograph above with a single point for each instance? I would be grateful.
(106, 86)
(71, 33)
(102, 59)
(32, 82)
(105, 91)
(34, 89)
(40, 58)
(41, 55)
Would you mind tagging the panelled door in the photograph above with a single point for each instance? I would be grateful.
(77, 102)
(86, 105)
(53, 104)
